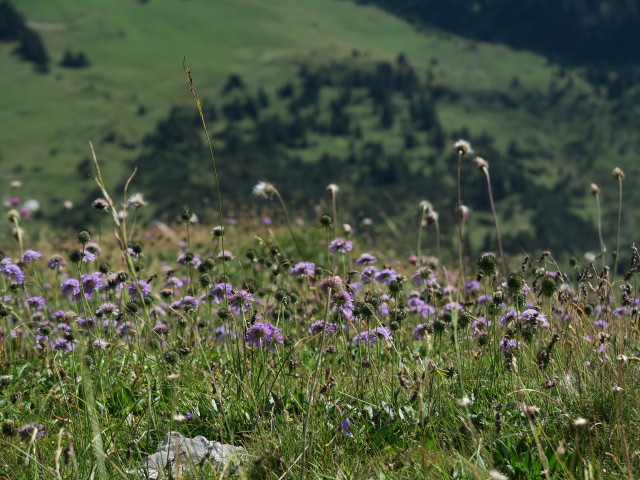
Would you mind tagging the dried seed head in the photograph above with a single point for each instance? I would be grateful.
(480, 163)
(332, 188)
(594, 189)
(618, 173)
(462, 147)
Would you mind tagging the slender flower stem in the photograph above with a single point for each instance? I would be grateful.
(617, 252)
(459, 213)
(335, 211)
(286, 216)
(495, 220)
(603, 248)
(420, 228)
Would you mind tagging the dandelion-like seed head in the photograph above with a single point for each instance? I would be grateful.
(462, 147)
(618, 173)
(333, 189)
(580, 422)
(100, 204)
(136, 201)
(15, 184)
(594, 189)
(264, 190)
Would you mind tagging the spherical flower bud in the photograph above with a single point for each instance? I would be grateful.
(618, 173)
(84, 237)
(217, 232)
(480, 163)
(326, 220)
(462, 147)
(594, 189)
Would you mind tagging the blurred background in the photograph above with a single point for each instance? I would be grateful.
(369, 95)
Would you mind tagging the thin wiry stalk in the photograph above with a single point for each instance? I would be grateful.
(495, 220)
(459, 213)
(420, 227)
(617, 252)
(286, 216)
(196, 98)
(603, 248)
(335, 211)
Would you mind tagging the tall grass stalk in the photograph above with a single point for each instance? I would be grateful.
(460, 220)
(194, 92)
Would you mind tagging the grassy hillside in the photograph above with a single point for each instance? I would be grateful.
(136, 51)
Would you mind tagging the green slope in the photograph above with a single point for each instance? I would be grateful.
(137, 50)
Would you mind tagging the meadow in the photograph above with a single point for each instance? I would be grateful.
(322, 350)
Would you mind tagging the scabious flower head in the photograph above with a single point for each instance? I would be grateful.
(264, 335)
(61, 344)
(341, 300)
(91, 282)
(424, 275)
(331, 282)
(532, 315)
(11, 272)
(594, 189)
(421, 331)
(472, 286)
(26, 431)
(220, 291)
(386, 275)
(368, 273)
(301, 269)
(264, 190)
(173, 282)
(56, 262)
(93, 248)
(99, 343)
(225, 255)
(366, 259)
(222, 334)
(370, 337)
(509, 345)
(189, 259)
(139, 288)
(30, 255)
(100, 204)
(340, 245)
(36, 303)
(239, 301)
(326, 328)
(70, 287)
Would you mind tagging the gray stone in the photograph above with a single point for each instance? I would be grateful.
(190, 454)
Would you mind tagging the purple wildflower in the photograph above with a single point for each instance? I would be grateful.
(342, 301)
(107, 308)
(87, 256)
(423, 276)
(421, 331)
(451, 306)
(225, 255)
(532, 315)
(321, 326)
(264, 335)
(188, 259)
(387, 275)
(368, 273)
(56, 262)
(70, 287)
(26, 432)
(93, 248)
(220, 291)
(91, 282)
(366, 259)
(340, 245)
(12, 272)
(173, 282)
(30, 255)
(601, 324)
(99, 343)
(472, 286)
(222, 334)
(36, 303)
(620, 311)
(239, 301)
(139, 288)
(62, 345)
(509, 345)
(508, 317)
(345, 427)
(303, 269)
(369, 337)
